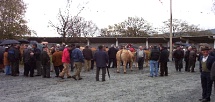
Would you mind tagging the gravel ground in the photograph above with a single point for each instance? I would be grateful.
(134, 86)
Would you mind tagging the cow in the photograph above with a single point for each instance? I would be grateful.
(125, 56)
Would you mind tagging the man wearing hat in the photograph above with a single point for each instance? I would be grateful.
(205, 68)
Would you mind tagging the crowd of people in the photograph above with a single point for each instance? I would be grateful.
(66, 58)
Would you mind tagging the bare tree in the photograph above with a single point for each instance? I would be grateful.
(67, 22)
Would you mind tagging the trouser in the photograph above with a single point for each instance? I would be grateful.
(103, 73)
(206, 85)
(87, 65)
(26, 69)
(186, 65)
(17, 66)
(92, 64)
(58, 69)
(29, 67)
(7, 70)
(13, 68)
(163, 69)
(78, 66)
(153, 68)
(65, 70)
(191, 65)
(112, 60)
(140, 63)
(178, 64)
(46, 70)
(72, 65)
(39, 67)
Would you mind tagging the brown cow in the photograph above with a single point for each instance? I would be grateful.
(124, 56)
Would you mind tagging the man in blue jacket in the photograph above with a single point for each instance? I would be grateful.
(205, 68)
(101, 59)
(78, 59)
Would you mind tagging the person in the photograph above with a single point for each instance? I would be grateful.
(2, 50)
(6, 62)
(192, 60)
(88, 56)
(45, 61)
(25, 59)
(66, 62)
(38, 65)
(13, 56)
(205, 68)
(78, 59)
(71, 60)
(57, 61)
(178, 57)
(164, 58)
(186, 58)
(154, 57)
(101, 59)
(112, 56)
(140, 57)
(29, 61)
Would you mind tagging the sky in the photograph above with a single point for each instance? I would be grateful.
(109, 12)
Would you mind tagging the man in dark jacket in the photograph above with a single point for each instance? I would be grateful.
(205, 68)
(112, 56)
(78, 59)
(154, 57)
(101, 59)
(29, 61)
(186, 59)
(164, 57)
(13, 57)
(178, 57)
(38, 65)
(88, 56)
(45, 61)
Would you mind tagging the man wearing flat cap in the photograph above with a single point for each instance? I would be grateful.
(205, 68)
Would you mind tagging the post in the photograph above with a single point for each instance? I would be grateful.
(168, 44)
(214, 43)
(187, 41)
(88, 42)
(147, 43)
(170, 37)
(117, 43)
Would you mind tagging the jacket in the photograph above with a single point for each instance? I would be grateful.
(137, 53)
(186, 56)
(178, 54)
(57, 58)
(164, 56)
(26, 55)
(101, 58)
(88, 54)
(154, 55)
(45, 59)
(77, 55)
(6, 61)
(16, 53)
(209, 63)
(66, 56)
(112, 52)
(37, 53)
